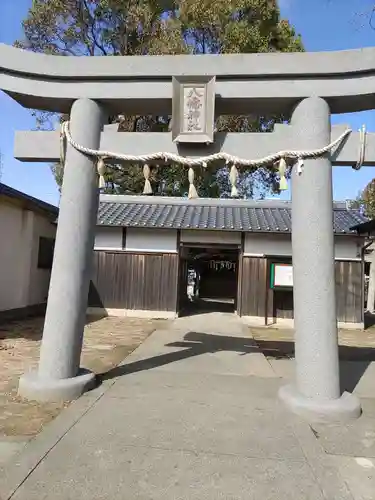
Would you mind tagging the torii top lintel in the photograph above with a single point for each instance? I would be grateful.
(142, 84)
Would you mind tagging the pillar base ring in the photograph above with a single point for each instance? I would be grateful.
(32, 387)
(347, 407)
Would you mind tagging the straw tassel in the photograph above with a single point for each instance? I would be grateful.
(283, 185)
(233, 176)
(146, 172)
(192, 191)
(102, 169)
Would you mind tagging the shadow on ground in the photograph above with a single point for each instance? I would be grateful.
(354, 361)
(198, 307)
(194, 344)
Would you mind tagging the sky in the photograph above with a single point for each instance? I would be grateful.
(323, 24)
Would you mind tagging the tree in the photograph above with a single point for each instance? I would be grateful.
(365, 200)
(126, 27)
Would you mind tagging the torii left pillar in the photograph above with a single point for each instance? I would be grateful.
(59, 377)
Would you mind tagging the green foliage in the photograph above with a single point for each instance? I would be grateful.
(366, 200)
(128, 27)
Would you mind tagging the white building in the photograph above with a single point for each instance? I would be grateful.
(27, 228)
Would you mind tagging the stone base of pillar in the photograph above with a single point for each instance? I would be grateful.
(347, 407)
(32, 387)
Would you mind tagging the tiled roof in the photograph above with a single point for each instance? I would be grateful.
(367, 227)
(227, 215)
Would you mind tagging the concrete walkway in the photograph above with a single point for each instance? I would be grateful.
(191, 414)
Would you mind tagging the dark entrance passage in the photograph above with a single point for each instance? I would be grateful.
(208, 280)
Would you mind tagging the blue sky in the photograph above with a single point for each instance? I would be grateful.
(323, 24)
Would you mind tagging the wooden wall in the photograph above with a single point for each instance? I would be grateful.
(150, 282)
(280, 304)
(349, 291)
(254, 285)
(134, 281)
(279, 301)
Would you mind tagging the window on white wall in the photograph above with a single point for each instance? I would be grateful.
(45, 252)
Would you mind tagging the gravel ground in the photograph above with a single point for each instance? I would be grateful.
(107, 342)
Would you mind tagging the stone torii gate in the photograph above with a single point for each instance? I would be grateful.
(307, 86)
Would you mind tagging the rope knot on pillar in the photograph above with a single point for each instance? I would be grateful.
(146, 173)
(192, 190)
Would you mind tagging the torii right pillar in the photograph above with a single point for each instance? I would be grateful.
(316, 394)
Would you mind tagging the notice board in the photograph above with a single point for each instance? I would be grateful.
(281, 276)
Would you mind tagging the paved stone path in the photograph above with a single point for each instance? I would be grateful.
(192, 414)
